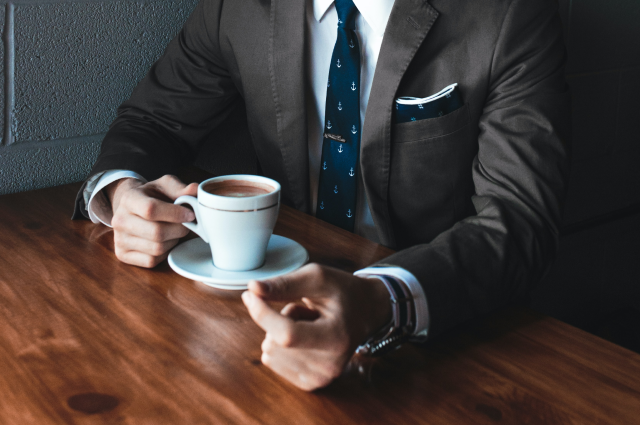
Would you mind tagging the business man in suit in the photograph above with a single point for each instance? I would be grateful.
(471, 200)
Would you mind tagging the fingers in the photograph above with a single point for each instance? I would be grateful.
(141, 204)
(265, 317)
(140, 259)
(191, 190)
(146, 222)
(310, 281)
(283, 329)
(169, 186)
(299, 312)
(130, 225)
(307, 369)
(141, 252)
(312, 338)
(134, 243)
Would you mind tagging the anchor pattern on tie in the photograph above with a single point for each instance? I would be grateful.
(336, 202)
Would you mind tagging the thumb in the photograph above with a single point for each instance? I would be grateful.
(191, 189)
(310, 281)
(170, 186)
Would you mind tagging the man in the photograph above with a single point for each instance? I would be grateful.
(471, 199)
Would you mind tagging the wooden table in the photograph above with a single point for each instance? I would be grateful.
(85, 339)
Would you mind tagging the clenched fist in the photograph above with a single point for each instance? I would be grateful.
(329, 313)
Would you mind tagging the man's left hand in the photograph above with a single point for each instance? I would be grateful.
(330, 313)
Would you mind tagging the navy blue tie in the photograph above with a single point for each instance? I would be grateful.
(341, 143)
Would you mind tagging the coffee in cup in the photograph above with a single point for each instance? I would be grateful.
(235, 215)
(237, 188)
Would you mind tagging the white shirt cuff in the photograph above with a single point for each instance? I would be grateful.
(98, 205)
(419, 298)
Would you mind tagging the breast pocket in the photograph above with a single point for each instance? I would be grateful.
(430, 181)
(431, 128)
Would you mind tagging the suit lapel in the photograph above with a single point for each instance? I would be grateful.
(408, 25)
(287, 68)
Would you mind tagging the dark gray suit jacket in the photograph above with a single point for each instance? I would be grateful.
(472, 200)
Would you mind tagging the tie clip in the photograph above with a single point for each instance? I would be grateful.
(335, 137)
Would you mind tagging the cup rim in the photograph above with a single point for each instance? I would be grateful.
(251, 203)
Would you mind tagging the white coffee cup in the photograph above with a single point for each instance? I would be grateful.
(237, 228)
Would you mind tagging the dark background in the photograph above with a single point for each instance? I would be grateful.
(66, 66)
(595, 283)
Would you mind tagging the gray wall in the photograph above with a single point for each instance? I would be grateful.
(66, 67)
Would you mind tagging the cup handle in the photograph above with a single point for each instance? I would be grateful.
(197, 228)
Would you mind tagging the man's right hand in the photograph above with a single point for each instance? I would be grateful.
(146, 223)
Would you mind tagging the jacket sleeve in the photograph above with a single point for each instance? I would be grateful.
(520, 175)
(183, 98)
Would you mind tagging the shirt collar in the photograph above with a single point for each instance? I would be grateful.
(375, 12)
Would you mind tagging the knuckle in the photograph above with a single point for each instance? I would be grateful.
(117, 221)
(148, 262)
(120, 253)
(156, 233)
(287, 338)
(265, 346)
(265, 359)
(181, 231)
(157, 249)
(119, 244)
(333, 371)
(308, 384)
(322, 381)
(148, 209)
(318, 271)
(125, 198)
(314, 268)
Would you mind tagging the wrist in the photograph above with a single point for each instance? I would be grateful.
(380, 310)
(115, 190)
(399, 328)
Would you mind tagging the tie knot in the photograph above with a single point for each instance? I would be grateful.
(346, 14)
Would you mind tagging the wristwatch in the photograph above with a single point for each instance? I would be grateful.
(401, 326)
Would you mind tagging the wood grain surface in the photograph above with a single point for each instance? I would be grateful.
(85, 339)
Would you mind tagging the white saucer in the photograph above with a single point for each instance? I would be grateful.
(192, 259)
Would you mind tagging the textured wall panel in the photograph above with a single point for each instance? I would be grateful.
(33, 167)
(2, 88)
(76, 62)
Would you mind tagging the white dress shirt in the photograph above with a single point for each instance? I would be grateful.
(322, 22)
